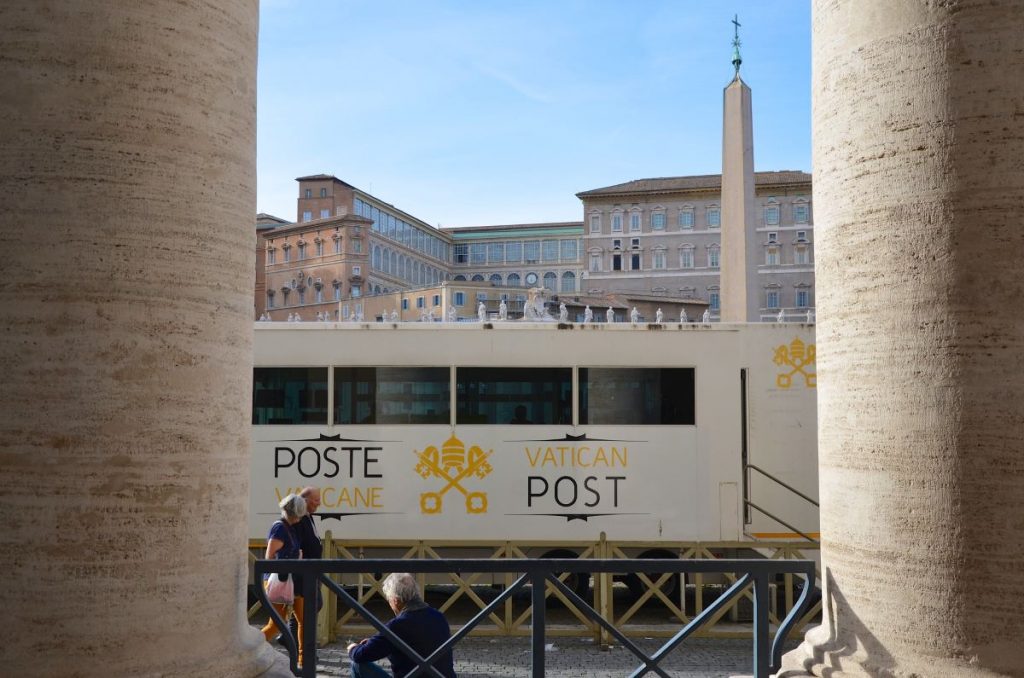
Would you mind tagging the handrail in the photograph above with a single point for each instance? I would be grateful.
(780, 521)
(539, 573)
(784, 484)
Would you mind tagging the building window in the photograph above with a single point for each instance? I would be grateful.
(800, 213)
(771, 215)
(686, 219)
(405, 304)
(302, 296)
(357, 270)
(357, 246)
(271, 256)
(325, 213)
(771, 256)
(307, 215)
(568, 281)
(616, 262)
(773, 299)
(801, 256)
(713, 257)
(357, 290)
(617, 244)
(595, 223)
(550, 250)
(319, 295)
(319, 248)
(713, 299)
(634, 243)
(495, 279)
(634, 221)
(686, 257)
(459, 298)
(420, 302)
(658, 221)
(531, 250)
(375, 262)
(714, 217)
(337, 291)
(270, 300)
(595, 262)
(551, 281)
(478, 253)
(287, 254)
(436, 300)
(496, 253)
(659, 259)
(802, 298)
(634, 262)
(308, 193)
(617, 223)
(323, 192)
(801, 236)
(461, 254)
(337, 245)
(513, 252)
(513, 280)
(302, 251)
(568, 253)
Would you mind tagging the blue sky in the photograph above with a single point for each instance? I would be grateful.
(468, 113)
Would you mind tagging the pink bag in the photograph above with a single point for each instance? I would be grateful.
(280, 592)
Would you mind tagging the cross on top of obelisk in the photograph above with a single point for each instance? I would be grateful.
(736, 60)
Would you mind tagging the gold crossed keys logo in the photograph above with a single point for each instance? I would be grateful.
(453, 464)
(797, 356)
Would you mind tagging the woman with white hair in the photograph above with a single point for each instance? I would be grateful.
(423, 628)
(283, 544)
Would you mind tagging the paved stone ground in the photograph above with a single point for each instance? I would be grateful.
(575, 658)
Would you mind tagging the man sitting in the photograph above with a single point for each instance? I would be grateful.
(420, 626)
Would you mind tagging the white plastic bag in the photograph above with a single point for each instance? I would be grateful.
(280, 592)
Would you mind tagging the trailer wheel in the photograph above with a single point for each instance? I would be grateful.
(670, 588)
(579, 582)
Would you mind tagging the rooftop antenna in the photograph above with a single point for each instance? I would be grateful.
(736, 59)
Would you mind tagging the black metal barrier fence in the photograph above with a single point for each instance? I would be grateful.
(538, 573)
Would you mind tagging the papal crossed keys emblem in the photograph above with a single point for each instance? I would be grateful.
(797, 355)
(453, 464)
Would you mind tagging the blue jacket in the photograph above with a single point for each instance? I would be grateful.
(423, 629)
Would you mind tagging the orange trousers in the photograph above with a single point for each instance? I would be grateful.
(271, 630)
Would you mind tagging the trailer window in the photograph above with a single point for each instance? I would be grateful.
(289, 395)
(392, 395)
(513, 395)
(642, 396)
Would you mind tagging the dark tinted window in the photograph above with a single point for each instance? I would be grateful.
(392, 395)
(289, 395)
(646, 396)
(513, 395)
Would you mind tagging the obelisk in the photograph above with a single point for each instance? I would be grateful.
(739, 297)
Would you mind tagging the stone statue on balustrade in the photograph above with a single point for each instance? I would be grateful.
(588, 315)
(659, 316)
(610, 314)
(683, 318)
(453, 315)
(563, 313)
(634, 316)
(481, 312)
(707, 316)
(502, 310)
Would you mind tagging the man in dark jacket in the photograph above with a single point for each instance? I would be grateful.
(309, 542)
(420, 626)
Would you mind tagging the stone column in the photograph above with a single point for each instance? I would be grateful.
(741, 297)
(127, 156)
(919, 191)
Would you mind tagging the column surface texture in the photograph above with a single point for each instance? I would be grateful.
(919, 194)
(127, 155)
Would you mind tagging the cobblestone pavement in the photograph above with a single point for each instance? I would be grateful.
(575, 658)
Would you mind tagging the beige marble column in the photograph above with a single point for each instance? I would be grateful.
(127, 156)
(919, 192)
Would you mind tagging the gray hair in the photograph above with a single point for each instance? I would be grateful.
(293, 506)
(401, 588)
